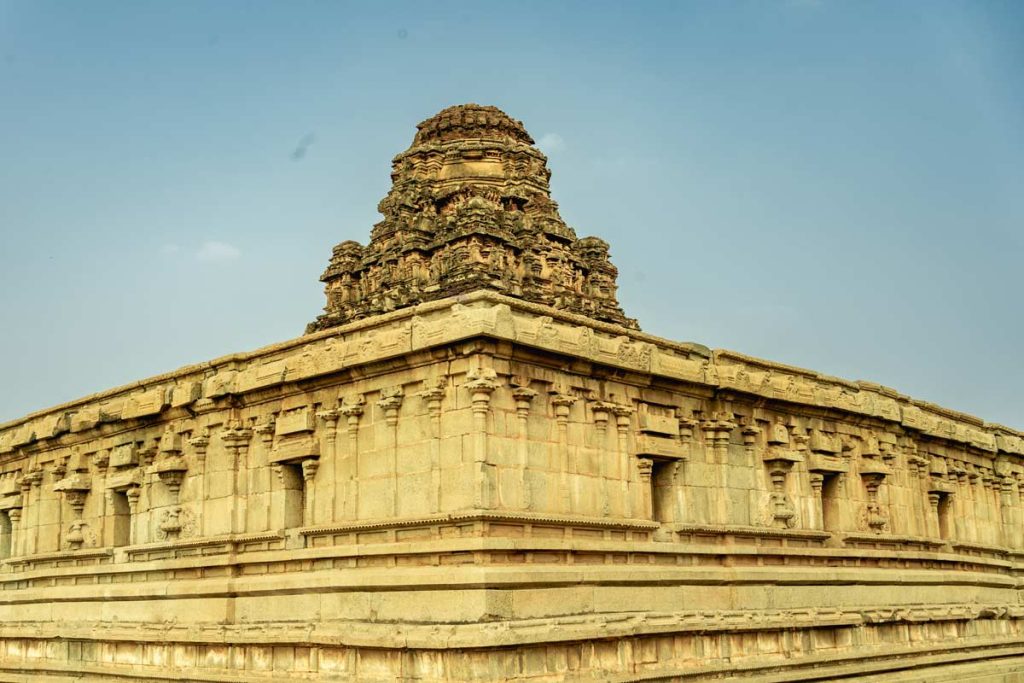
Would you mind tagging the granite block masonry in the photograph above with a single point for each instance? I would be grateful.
(475, 467)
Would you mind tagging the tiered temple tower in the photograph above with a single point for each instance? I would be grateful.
(474, 467)
(470, 209)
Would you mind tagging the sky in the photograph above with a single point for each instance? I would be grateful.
(834, 185)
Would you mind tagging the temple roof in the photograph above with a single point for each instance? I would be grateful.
(470, 208)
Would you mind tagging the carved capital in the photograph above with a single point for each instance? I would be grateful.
(686, 427)
(433, 394)
(352, 409)
(484, 380)
(236, 437)
(265, 430)
(749, 430)
(645, 466)
(329, 416)
(32, 478)
(481, 384)
(199, 443)
(133, 494)
(310, 466)
(562, 404)
(623, 417)
(523, 396)
(390, 401)
(602, 412)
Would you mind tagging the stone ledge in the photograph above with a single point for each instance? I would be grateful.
(64, 556)
(493, 577)
(230, 562)
(488, 634)
(203, 542)
(814, 668)
(762, 532)
(483, 516)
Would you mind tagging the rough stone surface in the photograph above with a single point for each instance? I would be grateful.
(484, 487)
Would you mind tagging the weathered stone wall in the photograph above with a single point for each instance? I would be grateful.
(482, 488)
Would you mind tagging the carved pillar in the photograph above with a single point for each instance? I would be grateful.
(922, 514)
(390, 402)
(481, 384)
(873, 476)
(523, 396)
(433, 395)
(938, 487)
(958, 480)
(352, 409)
(330, 417)
(100, 460)
(972, 502)
(933, 521)
(59, 468)
(15, 516)
(1008, 513)
(645, 468)
(624, 472)
(567, 470)
(995, 505)
(749, 430)
(30, 511)
(310, 466)
(133, 494)
(1018, 510)
(687, 425)
(602, 412)
(236, 439)
(710, 430)
(199, 443)
(817, 480)
(1006, 508)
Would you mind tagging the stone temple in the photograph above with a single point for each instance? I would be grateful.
(474, 467)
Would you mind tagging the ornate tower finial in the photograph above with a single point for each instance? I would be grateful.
(470, 208)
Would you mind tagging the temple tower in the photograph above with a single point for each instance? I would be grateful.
(470, 208)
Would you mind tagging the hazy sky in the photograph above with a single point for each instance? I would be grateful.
(835, 185)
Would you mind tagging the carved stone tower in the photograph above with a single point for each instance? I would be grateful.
(469, 209)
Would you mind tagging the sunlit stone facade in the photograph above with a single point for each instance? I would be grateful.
(474, 467)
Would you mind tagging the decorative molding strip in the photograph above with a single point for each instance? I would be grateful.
(483, 516)
(57, 557)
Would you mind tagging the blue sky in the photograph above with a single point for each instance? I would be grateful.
(835, 185)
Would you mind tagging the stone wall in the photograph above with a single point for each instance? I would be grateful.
(481, 488)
